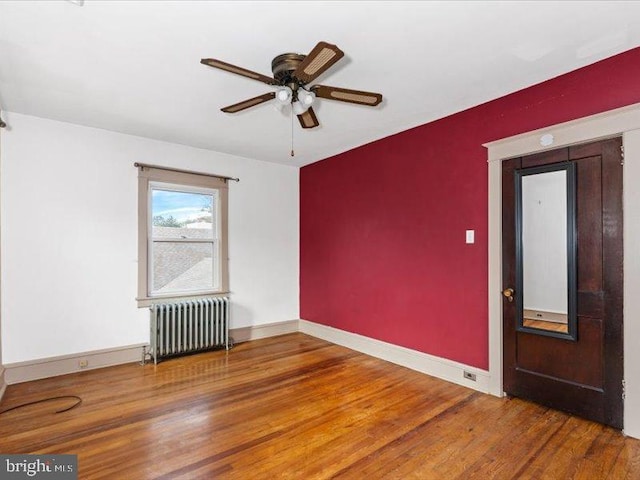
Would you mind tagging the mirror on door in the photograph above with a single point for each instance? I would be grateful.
(546, 250)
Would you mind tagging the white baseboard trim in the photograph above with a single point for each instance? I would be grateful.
(53, 366)
(256, 332)
(422, 362)
(544, 315)
(3, 384)
(62, 365)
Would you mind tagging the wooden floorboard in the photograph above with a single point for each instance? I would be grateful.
(301, 408)
(543, 325)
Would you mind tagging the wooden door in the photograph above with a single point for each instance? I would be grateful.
(581, 375)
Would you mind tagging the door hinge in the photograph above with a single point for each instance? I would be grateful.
(622, 154)
(624, 389)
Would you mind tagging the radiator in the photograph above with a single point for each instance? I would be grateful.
(189, 326)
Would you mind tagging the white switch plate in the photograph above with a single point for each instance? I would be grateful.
(471, 236)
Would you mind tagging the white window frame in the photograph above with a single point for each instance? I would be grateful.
(156, 178)
(214, 240)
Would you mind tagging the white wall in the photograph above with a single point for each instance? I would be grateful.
(2, 379)
(69, 246)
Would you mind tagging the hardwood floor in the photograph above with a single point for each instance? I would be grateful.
(543, 325)
(295, 407)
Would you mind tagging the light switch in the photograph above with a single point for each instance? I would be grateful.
(471, 236)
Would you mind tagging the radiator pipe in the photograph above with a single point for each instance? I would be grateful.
(145, 355)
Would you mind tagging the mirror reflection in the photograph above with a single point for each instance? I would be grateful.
(544, 251)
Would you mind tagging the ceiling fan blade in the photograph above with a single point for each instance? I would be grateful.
(345, 95)
(212, 62)
(252, 102)
(319, 60)
(308, 119)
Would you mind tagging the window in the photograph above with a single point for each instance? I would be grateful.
(182, 235)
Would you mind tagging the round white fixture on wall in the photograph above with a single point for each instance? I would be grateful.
(546, 140)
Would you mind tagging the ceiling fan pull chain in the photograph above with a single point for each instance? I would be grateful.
(292, 152)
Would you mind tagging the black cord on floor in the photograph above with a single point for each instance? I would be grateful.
(78, 402)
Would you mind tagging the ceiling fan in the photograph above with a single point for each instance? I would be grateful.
(292, 75)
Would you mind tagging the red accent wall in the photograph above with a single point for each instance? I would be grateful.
(382, 231)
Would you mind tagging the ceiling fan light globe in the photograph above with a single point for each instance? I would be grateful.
(283, 95)
(299, 108)
(306, 98)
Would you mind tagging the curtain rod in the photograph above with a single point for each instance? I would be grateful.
(169, 169)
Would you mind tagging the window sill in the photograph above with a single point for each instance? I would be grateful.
(148, 301)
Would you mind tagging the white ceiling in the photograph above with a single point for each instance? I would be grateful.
(133, 67)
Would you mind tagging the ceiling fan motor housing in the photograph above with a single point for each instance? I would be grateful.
(283, 67)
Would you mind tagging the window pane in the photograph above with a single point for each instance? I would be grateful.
(182, 214)
(180, 266)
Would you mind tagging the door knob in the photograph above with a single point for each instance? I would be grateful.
(508, 292)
